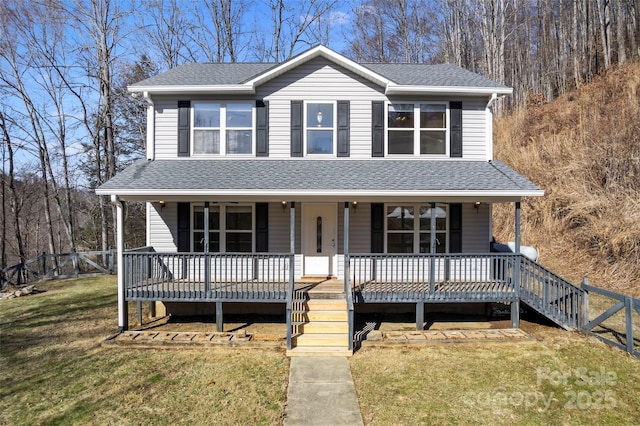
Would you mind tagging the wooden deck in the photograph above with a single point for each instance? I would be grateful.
(441, 291)
(198, 291)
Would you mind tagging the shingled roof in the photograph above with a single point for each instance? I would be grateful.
(238, 74)
(305, 176)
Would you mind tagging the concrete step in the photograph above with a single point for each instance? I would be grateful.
(327, 327)
(340, 340)
(319, 351)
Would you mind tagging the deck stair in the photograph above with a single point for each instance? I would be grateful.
(320, 321)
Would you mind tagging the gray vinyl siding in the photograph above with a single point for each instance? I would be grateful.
(319, 80)
(161, 226)
(474, 143)
(166, 121)
(476, 232)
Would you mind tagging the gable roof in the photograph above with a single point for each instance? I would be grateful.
(245, 77)
(264, 178)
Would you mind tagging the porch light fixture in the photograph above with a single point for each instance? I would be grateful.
(476, 206)
(355, 206)
(284, 205)
(161, 203)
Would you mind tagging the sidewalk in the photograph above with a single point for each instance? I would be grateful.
(321, 392)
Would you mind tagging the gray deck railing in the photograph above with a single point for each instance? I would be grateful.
(619, 334)
(59, 266)
(207, 276)
(433, 277)
(551, 295)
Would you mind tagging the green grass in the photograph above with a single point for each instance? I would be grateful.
(505, 383)
(54, 370)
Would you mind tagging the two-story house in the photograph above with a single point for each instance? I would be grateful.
(263, 180)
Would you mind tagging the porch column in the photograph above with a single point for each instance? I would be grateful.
(292, 268)
(123, 308)
(515, 304)
(346, 243)
(347, 273)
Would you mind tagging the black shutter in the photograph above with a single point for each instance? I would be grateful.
(296, 128)
(262, 227)
(184, 108)
(343, 128)
(377, 129)
(184, 231)
(262, 128)
(377, 228)
(455, 228)
(455, 131)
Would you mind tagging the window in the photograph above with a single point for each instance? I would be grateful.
(239, 227)
(214, 228)
(417, 128)
(408, 232)
(320, 128)
(222, 128)
(230, 227)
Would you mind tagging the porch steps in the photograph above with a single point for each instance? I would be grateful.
(320, 322)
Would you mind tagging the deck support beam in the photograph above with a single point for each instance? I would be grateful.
(515, 304)
(123, 307)
(219, 321)
(420, 316)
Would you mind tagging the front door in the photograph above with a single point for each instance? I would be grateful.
(319, 239)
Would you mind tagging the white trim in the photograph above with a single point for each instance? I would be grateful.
(151, 127)
(355, 194)
(394, 89)
(186, 89)
(319, 51)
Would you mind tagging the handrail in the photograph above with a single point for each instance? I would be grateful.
(433, 277)
(551, 295)
(191, 276)
(349, 295)
(58, 266)
(626, 303)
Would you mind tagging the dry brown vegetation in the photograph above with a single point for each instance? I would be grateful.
(583, 149)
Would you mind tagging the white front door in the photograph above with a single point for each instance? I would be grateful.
(319, 239)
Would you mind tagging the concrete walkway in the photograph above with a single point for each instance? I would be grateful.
(321, 392)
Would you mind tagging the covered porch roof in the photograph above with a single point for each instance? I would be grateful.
(269, 179)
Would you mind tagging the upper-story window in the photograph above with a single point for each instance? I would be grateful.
(222, 128)
(417, 129)
(320, 128)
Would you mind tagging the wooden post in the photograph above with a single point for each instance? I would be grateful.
(628, 314)
(515, 304)
(207, 259)
(585, 308)
(219, 317)
(432, 251)
(420, 315)
(347, 273)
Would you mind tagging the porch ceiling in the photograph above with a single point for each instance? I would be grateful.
(318, 180)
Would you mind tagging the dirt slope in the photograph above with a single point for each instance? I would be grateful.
(583, 149)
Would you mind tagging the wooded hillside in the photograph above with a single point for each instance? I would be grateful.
(583, 149)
